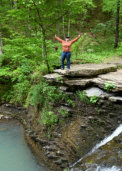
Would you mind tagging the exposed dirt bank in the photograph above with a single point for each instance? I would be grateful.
(68, 141)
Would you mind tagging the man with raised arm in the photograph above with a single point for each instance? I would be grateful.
(66, 46)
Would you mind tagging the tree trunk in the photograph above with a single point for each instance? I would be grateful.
(63, 28)
(63, 25)
(43, 36)
(58, 27)
(13, 5)
(58, 15)
(45, 49)
(69, 27)
(12, 21)
(117, 25)
(28, 22)
(1, 52)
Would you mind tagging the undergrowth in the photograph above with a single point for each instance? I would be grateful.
(43, 97)
(91, 50)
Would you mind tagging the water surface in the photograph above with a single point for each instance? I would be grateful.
(15, 155)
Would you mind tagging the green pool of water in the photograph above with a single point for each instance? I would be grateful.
(15, 155)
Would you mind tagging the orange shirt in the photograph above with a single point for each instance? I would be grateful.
(66, 46)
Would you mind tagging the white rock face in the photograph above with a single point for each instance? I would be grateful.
(94, 91)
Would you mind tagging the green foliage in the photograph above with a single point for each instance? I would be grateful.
(65, 170)
(70, 102)
(23, 62)
(48, 118)
(5, 72)
(109, 86)
(5, 92)
(82, 96)
(94, 99)
(93, 50)
(90, 162)
(59, 79)
(105, 28)
(79, 46)
(108, 6)
(43, 93)
(20, 91)
(63, 113)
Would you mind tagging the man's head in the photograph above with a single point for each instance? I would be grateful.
(67, 38)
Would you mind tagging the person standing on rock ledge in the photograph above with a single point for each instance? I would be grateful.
(66, 46)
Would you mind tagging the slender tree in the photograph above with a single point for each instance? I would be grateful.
(68, 27)
(113, 8)
(1, 44)
(43, 35)
(0, 35)
(117, 24)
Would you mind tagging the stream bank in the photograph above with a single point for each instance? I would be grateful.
(82, 130)
(85, 126)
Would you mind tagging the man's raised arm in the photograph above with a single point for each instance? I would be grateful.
(74, 40)
(60, 40)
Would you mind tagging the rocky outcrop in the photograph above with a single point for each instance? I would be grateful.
(95, 91)
(82, 83)
(54, 77)
(87, 70)
(112, 78)
(90, 75)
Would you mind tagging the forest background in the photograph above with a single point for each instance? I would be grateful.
(28, 49)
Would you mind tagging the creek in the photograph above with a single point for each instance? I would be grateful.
(116, 133)
(15, 154)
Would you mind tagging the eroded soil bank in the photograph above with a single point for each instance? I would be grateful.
(68, 141)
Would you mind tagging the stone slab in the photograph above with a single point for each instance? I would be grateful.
(87, 70)
(53, 77)
(115, 99)
(117, 62)
(78, 82)
(112, 77)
